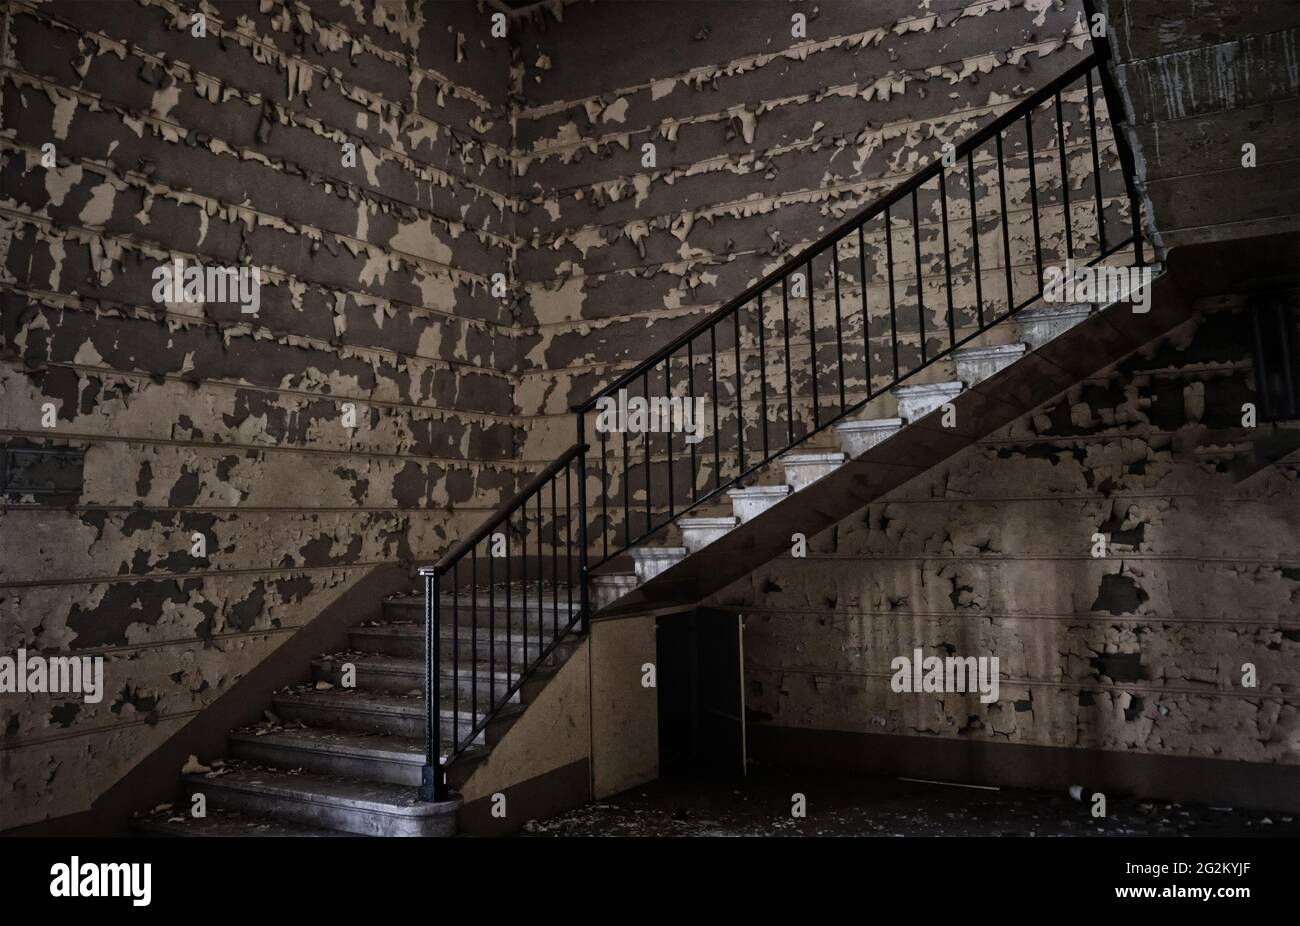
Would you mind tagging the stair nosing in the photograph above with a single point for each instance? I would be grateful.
(303, 795)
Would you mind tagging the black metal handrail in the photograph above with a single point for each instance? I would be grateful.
(518, 651)
(660, 477)
(1072, 243)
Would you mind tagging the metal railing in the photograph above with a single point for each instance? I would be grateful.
(928, 266)
(486, 604)
(901, 254)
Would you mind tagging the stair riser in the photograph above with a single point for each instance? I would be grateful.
(390, 722)
(915, 403)
(975, 367)
(327, 814)
(412, 647)
(696, 538)
(803, 475)
(1041, 326)
(403, 682)
(603, 593)
(649, 567)
(749, 508)
(486, 616)
(856, 441)
(328, 763)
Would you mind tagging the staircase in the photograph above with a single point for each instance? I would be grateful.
(854, 439)
(334, 760)
(865, 359)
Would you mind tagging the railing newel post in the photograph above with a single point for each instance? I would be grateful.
(433, 781)
(584, 607)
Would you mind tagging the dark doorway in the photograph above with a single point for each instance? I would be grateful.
(1276, 320)
(701, 711)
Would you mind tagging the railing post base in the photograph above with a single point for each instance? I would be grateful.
(433, 784)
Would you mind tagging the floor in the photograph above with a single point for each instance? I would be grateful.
(844, 804)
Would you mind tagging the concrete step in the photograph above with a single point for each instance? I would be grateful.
(608, 588)
(750, 503)
(976, 364)
(367, 712)
(377, 757)
(700, 532)
(915, 402)
(650, 561)
(400, 675)
(524, 610)
(223, 822)
(407, 640)
(367, 808)
(1041, 324)
(395, 759)
(803, 469)
(857, 437)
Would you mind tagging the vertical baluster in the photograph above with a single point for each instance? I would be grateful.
(555, 562)
(717, 436)
(1033, 195)
(762, 370)
(690, 381)
(604, 495)
(789, 384)
(492, 626)
(920, 286)
(584, 603)
(568, 544)
(645, 446)
(866, 316)
(812, 342)
(947, 258)
(473, 634)
(523, 586)
(839, 324)
(455, 657)
(541, 586)
(1065, 178)
(1006, 233)
(668, 393)
(627, 491)
(975, 241)
(893, 304)
(509, 590)
(740, 400)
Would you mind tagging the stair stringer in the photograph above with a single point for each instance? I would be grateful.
(541, 764)
(1105, 337)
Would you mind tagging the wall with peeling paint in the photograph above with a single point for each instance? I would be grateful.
(227, 149)
(763, 143)
(1137, 652)
(474, 156)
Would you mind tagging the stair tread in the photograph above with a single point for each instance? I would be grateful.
(413, 664)
(356, 793)
(363, 699)
(223, 822)
(499, 597)
(378, 701)
(344, 742)
(930, 387)
(416, 629)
